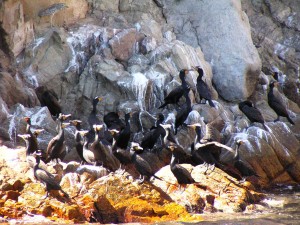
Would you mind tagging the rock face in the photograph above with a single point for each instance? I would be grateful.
(130, 53)
(275, 32)
(203, 23)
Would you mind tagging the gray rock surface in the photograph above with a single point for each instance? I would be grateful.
(203, 23)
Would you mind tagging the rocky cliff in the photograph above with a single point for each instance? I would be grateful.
(130, 53)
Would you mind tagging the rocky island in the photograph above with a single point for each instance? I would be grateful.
(147, 110)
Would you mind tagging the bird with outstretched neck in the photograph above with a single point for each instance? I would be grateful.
(141, 164)
(252, 113)
(78, 139)
(33, 143)
(56, 146)
(182, 175)
(203, 90)
(174, 96)
(245, 170)
(46, 178)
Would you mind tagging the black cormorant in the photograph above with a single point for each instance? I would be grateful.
(33, 143)
(78, 139)
(93, 119)
(170, 140)
(157, 131)
(202, 88)
(112, 121)
(141, 164)
(202, 151)
(276, 103)
(182, 175)
(123, 155)
(183, 113)
(244, 169)
(174, 96)
(56, 147)
(50, 99)
(46, 178)
(124, 135)
(252, 113)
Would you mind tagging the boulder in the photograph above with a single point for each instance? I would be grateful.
(46, 59)
(123, 44)
(203, 23)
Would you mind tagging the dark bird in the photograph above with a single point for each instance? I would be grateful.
(276, 103)
(33, 143)
(202, 88)
(183, 113)
(170, 140)
(56, 146)
(123, 155)
(46, 178)
(112, 121)
(182, 175)
(103, 151)
(90, 155)
(78, 139)
(92, 118)
(244, 169)
(252, 113)
(202, 151)
(157, 131)
(124, 135)
(141, 164)
(174, 96)
(50, 99)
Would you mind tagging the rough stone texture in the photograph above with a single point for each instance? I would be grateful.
(19, 31)
(235, 61)
(12, 91)
(275, 31)
(123, 44)
(47, 59)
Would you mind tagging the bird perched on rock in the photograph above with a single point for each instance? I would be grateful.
(157, 131)
(46, 178)
(56, 147)
(78, 139)
(276, 103)
(182, 175)
(33, 143)
(252, 113)
(244, 169)
(112, 121)
(202, 88)
(183, 113)
(141, 164)
(174, 96)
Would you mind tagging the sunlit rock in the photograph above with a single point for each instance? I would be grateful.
(214, 190)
